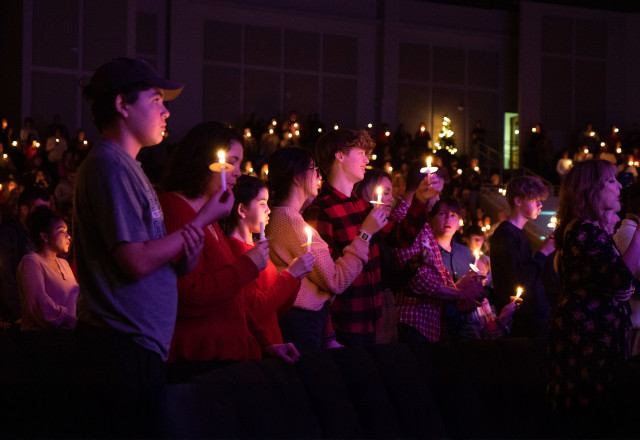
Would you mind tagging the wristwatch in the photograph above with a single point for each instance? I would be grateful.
(364, 235)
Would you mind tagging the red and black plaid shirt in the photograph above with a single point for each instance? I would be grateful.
(417, 305)
(338, 218)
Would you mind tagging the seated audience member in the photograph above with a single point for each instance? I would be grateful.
(271, 294)
(514, 264)
(293, 179)
(337, 214)
(623, 238)
(212, 324)
(14, 237)
(421, 301)
(48, 288)
(367, 189)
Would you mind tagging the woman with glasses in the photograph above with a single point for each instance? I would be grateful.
(293, 180)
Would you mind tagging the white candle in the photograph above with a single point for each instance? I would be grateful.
(221, 157)
(379, 191)
(429, 169)
(307, 229)
(261, 231)
(518, 291)
(477, 255)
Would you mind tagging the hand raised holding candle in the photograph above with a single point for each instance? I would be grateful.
(429, 188)
(216, 208)
(301, 266)
(376, 220)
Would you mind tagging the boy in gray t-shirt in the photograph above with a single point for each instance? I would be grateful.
(125, 259)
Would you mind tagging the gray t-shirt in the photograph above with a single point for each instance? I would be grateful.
(115, 203)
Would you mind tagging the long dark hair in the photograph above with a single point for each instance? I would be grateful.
(284, 166)
(188, 167)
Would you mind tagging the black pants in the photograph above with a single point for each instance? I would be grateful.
(117, 384)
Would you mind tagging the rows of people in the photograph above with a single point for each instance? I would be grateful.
(220, 266)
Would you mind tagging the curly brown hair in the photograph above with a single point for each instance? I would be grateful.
(340, 141)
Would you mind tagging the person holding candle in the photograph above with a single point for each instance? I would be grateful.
(514, 263)
(271, 294)
(589, 337)
(379, 181)
(421, 300)
(338, 214)
(212, 325)
(293, 179)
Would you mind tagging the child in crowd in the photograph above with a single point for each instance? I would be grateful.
(376, 179)
(514, 264)
(422, 300)
(271, 294)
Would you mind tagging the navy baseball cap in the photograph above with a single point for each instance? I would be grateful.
(119, 73)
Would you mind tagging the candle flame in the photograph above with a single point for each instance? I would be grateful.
(221, 156)
(519, 292)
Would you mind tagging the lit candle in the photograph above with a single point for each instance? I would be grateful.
(261, 231)
(429, 159)
(57, 140)
(379, 191)
(307, 229)
(476, 253)
(374, 156)
(221, 159)
(518, 292)
(389, 170)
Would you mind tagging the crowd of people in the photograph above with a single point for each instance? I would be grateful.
(248, 249)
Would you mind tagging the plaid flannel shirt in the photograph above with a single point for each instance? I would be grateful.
(338, 218)
(416, 305)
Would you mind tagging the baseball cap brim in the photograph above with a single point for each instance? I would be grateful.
(119, 73)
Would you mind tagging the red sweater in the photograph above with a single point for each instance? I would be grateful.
(212, 320)
(269, 295)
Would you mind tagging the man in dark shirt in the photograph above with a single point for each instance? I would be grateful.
(514, 264)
